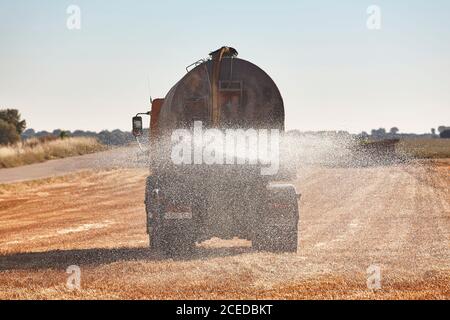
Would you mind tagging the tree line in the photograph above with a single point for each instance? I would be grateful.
(12, 130)
(115, 137)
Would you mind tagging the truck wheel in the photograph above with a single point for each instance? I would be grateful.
(153, 209)
(178, 239)
(171, 237)
(277, 230)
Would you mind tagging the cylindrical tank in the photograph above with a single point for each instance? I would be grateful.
(225, 93)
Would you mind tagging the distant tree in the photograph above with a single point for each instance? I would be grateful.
(442, 128)
(30, 132)
(378, 133)
(394, 130)
(63, 134)
(363, 136)
(78, 133)
(445, 134)
(433, 131)
(116, 137)
(8, 133)
(12, 116)
(27, 134)
(43, 133)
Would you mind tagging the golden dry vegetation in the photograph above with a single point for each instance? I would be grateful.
(35, 150)
(425, 148)
(395, 217)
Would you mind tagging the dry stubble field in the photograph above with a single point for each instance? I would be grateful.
(396, 217)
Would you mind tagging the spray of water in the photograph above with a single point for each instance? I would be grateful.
(225, 196)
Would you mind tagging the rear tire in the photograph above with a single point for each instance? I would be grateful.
(178, 239)
(170, 237)
(277, 230)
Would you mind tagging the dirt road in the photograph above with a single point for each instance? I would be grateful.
(396, 218)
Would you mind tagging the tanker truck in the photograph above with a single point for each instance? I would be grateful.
(189, 197)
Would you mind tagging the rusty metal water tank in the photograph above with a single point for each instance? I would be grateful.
(223, 92)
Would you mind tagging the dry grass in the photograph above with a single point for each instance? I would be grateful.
(425, 148)
(395, 217)
(34, 150)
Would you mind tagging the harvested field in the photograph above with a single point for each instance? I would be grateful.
(395, 217)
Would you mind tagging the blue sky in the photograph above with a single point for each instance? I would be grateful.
(333, 72)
